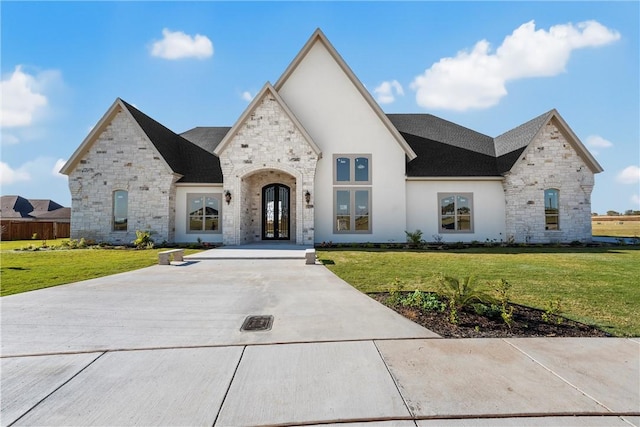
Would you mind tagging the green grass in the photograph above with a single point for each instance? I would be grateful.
(619, 228)
(22, 271)
(598, 286)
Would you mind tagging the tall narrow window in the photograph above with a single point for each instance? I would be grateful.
(551, 209)
(352, 199)
(120, 210)
(203, 212)
(456, 212)
(343, 169)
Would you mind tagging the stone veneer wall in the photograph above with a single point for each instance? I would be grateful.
(549, 162)
(267, 141)
(122, 158)
(252, 202)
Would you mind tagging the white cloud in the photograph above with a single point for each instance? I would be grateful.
(246, 95)
(178, 45)
(8, 139)
(596, 141)
(385, 92)
(629, 175)
(55, 171)
(635, 199)
(476, 79)
(20, 99)
(9, 175)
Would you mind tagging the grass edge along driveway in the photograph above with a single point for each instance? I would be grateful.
(23, 271)
(598, 286)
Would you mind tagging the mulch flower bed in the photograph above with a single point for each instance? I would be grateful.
(527, 322)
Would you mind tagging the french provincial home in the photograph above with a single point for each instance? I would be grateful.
(314, 159)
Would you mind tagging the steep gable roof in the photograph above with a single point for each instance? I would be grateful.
(266, 89)
(522, 135)
(181, 156)
(194, 163)
(447, 149)
(319, 37)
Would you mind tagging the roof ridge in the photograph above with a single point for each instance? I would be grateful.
(521, 135)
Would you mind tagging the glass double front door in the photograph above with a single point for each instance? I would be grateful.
(275, 212)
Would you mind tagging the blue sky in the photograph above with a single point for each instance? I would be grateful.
(489, 66)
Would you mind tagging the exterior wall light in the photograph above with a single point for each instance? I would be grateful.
(307, 196)
(227, 196)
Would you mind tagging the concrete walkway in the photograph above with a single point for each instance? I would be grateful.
(163, 346)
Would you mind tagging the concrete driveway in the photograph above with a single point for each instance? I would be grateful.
(163, 346)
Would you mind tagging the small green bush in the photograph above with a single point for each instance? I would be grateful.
(143, 240)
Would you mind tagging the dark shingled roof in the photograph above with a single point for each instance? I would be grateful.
(443, 148)
(440, 159)
(14, 207)
(61, 213)
(430, 127)
(520, 136)
(196, 164)
(206, 137)
(447, 149)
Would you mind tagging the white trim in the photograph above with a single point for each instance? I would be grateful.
(318, 35)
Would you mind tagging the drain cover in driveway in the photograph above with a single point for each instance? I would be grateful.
(257, 323)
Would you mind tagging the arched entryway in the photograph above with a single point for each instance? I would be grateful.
(276, 212)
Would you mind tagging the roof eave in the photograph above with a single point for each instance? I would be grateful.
(104, 121)
(252, 106)
(318, 35)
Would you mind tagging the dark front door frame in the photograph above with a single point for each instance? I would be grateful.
(279, 212)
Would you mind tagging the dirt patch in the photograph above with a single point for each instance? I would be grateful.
(527, 322)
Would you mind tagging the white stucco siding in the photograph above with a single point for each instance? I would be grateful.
(488, 213)
(182, 234)
(340, 121)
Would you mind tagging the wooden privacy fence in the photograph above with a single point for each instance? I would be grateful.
(24, 230)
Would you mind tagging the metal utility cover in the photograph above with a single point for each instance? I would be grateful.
(257, 323)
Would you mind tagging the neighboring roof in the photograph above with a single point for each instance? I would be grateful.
(267, 88)
(319, 37)
(15, 207)
(61, 213)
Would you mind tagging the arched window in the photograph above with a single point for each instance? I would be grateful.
(120, 210)
(552, 209)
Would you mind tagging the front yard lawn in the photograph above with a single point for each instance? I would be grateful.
(598, 286)
(23, 271)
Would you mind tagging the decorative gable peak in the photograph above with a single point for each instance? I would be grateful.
(318, 38)
(524, 135)
(282, 113)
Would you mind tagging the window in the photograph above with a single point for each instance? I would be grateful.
(456, 212)
(352, 210)
(352, 169)
(120, 210)
(551, 209)
(203, 212)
